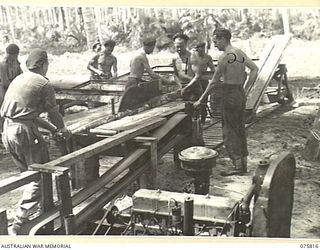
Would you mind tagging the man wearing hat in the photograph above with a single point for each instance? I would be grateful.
(9, 68)
(182, 68)
(200, 61)
(232, 67)
(103, 62)
(29, 95)
(140, 64)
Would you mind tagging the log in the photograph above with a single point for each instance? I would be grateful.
(68, 81)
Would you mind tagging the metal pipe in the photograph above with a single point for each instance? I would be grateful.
(188, 217)
(69, 224)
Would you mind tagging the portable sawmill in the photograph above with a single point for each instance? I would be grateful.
(140, 133)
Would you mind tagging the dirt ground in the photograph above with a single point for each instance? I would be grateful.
(283, 130)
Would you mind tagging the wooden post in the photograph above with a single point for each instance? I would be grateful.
(64, 194)
(69, 222)
(188, 229)
(148, 180)
(47, 197)
(3, 222)
(86, 171)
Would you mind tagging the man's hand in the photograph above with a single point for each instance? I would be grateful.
(184, 90)
(62, 133)
(100, 72)
(197, 104)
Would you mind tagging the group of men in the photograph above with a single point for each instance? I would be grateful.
(24, 96)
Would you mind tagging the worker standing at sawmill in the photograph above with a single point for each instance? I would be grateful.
(103, 62)
(29, 95)
(9, 69)
(231, 66)
(200, 62)
(183, 70)
(140, 64)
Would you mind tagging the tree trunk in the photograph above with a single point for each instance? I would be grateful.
(66, 16)
(10, 22)
(89, 26)
(62, 19)
(286, 20)
(97, 12)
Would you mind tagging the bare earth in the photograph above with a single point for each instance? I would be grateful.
(284, 130)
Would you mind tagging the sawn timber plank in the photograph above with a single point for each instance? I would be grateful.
(266, 72)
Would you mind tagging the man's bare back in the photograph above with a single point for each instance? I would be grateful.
(233, 63)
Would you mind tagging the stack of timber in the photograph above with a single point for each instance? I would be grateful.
(268, 63)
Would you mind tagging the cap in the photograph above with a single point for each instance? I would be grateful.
(12, 49)
(36, 58)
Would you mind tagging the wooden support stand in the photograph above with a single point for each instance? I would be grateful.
(148, 179)
(3, 222)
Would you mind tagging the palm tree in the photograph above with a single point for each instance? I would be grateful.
(89, 25)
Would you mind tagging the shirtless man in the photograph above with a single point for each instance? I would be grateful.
(102, 63)
(231, 66)
(200, 62)
(140, 63)
(183, 70)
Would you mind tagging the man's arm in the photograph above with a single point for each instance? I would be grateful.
(196, 68)
(222, 64)
(4, 76)
(115, 67)
(253, 73)
(149, 70)
(91, 65)
(210, 64)
(50, 106)
(46, 125)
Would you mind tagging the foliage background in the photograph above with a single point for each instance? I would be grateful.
(62, 29)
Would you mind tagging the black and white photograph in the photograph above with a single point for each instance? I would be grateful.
(160, 121)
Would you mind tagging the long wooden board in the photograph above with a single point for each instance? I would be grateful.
(266, 71)
(145, 116)
(92, 118)
(106, 144)
(18, 180)
(87, 97)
